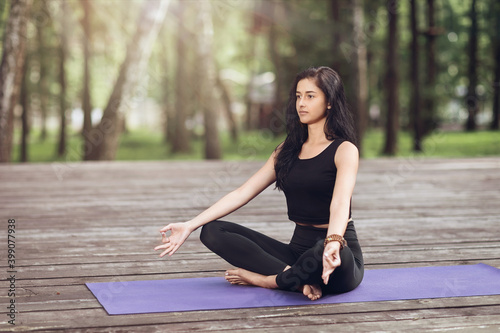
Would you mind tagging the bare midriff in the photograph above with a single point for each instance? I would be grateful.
(325, 226)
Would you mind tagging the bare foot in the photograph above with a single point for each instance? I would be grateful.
(312, 291)
(241, 276)
(235, 276)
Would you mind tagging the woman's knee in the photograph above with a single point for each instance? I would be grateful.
(208, 233)
(347, 276)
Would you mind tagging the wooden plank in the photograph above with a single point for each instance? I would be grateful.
(192, 252)
(448, 317)
(58, 297)
(95, 222)
(141, 267)
(66, 281)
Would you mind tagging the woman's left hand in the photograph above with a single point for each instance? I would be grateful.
(331, 260)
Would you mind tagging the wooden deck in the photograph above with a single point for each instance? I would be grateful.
(97, 222)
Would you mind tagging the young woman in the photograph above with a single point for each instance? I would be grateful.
(316, 168)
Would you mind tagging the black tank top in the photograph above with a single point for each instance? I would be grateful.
(309, 187)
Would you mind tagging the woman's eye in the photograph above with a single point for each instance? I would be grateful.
(310, 96)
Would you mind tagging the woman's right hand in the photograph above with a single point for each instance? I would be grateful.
(179, 232)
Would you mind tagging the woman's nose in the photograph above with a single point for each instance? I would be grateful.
(300, 101)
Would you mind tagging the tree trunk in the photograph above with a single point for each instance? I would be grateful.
(11, 68)
(471, 98)
(360, 70)
(429, 119)
(63, 51)
(226, 101)
(86, 98)
(279, 95)
(415, 102)
(182, 138)
(24, 100)
(43, 86)
(344, 45)
(337, 33)
(206, 61)
(168, 99)
(344, 48)
(392, 84)
(253, 69)
(168, 110)
(495, 123)
(105, 136)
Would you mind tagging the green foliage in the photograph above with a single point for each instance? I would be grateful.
(305, 36)
(439, 144)
(258, 145)
(45, 151)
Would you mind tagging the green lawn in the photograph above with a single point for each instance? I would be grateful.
(439, 144)
(147, 145)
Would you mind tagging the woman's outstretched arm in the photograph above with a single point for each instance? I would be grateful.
(226, 205)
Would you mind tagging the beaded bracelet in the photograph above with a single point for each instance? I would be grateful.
(336, 238)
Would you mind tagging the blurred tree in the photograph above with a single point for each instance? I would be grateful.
(181, 140)
(337, 35)
(86, 98)
(42, 23)
(11, 69)
(429, 111)
(105, 136)
(256, 27)
(392, 81)
(415, 101)
(168, 97)
(495, 122)
(275, 9)
(360, 69)
(226, 103)
(252, 69)
(347, 54)
(63, 54)
(376, 54)
(3, 8)
(208, 81)
(251, 39)
(24, 101)
(471, 97)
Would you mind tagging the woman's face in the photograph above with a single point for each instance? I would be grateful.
(310, 102)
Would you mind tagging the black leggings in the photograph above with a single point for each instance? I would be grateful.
(256, 252)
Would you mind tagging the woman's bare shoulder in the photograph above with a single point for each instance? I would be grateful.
(347, 153)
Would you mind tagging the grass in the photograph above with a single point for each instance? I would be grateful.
(438, 144)
(147, 145)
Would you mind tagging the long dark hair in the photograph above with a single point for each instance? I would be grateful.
(339, 121)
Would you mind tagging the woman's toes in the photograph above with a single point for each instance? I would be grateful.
(306, 290)
(232, 272)
(312, 292)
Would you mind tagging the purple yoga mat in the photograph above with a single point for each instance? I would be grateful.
(131, 297)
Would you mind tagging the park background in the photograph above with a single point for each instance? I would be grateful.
(87, 82)
(208, 79)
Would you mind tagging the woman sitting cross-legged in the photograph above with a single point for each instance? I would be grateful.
(316, 168)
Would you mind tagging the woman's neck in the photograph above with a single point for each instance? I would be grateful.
(316, 133)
